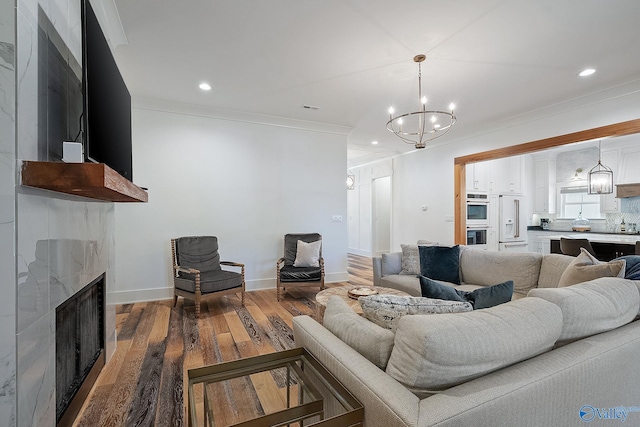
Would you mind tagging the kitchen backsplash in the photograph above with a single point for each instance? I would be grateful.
(630, 205)
(611, 223)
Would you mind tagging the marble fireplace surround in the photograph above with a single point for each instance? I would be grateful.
(64, 243)
(52, 244)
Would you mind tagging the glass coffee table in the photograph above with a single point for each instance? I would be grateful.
(284, 388)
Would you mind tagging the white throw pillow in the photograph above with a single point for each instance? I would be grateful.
(308, 254)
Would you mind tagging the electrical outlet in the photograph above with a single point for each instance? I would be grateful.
(448, 218)
(336, 218)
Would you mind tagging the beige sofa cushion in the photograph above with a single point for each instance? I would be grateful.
(551, 269)
(387, 310)
(586, 267)
(487, 268)
(405, 283)
(367, 338)
(433, 353)
(593, 307)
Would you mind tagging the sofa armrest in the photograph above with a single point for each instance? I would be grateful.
(391, 264)
(387, 402)
(377, 270)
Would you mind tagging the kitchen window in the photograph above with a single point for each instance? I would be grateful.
(576, 200)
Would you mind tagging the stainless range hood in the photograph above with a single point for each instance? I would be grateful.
(627, 190)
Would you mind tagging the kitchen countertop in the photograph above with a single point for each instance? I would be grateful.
(592, 236)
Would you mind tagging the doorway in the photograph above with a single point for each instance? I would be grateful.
(381, 209)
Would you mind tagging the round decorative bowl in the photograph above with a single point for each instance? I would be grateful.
(364, 291)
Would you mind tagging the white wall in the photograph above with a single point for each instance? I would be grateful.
(246, 183)
(425, 177)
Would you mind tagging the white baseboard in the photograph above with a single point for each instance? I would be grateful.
(158, 294)
(336, 277)
(139, 295)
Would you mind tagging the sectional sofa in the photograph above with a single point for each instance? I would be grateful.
(551, 357)
(528, 270)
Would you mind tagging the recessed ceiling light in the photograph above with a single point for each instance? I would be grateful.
(374, 142)
(204, 86)
(587, 72)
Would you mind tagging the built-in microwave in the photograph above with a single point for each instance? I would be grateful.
(477, 209)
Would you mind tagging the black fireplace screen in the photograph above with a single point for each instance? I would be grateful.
(79, 340)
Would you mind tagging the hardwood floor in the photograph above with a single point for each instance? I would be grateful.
(143, 384)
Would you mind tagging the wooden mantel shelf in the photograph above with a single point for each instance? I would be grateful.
(93, 180)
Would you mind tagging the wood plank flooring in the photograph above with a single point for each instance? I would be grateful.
(144, 382)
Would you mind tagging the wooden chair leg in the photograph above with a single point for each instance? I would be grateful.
(175, 300)
(197, 306)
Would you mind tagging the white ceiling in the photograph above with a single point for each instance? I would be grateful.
(353, 58)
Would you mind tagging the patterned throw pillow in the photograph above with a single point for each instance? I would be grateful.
(386, 310)
(410, 260)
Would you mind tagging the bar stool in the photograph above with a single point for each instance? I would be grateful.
(572, 246)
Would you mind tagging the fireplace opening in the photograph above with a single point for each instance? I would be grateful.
(79, 348)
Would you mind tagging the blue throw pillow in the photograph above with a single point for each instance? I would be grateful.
(491, 295)
(485, 297)
(632, 269)
(432, 289)
(440, 263)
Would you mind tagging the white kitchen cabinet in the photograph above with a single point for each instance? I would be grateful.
(538, 242)
(609, 203)
(629, 170)
(476, 176)
(544, 188)
(494, 223)
(536, 246)
(505, 175)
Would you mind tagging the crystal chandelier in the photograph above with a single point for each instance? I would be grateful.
(600, 177)
(421, 126)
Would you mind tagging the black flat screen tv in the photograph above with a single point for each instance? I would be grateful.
(107, 102)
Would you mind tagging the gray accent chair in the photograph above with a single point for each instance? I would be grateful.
(289, 276)
(197, 271)
(572, 246)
